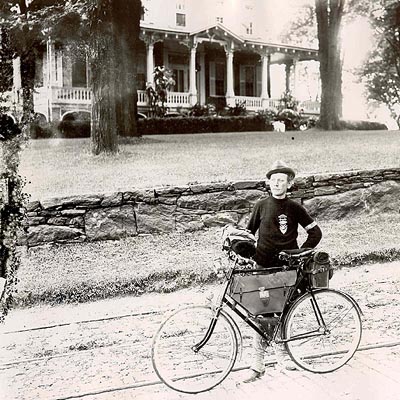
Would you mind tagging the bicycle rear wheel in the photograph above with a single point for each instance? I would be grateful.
(319, 348)
(175, 361)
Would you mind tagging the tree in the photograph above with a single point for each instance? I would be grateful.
(381, 72)
(127, 30)
(114, 46)
(24, 41)
(114, 29)
(329, 17)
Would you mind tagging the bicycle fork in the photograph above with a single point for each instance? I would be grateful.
(197, 347)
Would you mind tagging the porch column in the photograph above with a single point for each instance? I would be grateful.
(150, 62)
(17, 73)
(265, 80)
(50, 78)
(17, 95)
(294, 79)
(269, 75)
(202, 80)
(230, 93)
(288, 66)
(192, 76)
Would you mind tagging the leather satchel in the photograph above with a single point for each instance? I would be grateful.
(263, 293)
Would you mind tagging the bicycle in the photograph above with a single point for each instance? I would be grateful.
(196, 347)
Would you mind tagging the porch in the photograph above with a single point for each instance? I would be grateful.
(182, 100)
(59, 101)
(211, 64)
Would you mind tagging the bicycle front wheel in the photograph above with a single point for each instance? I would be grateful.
(187, 369)
(323, 332)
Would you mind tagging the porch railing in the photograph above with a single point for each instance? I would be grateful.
(310, 107)
(251, 103)
(178, 99)
(72, 95)
(174, 99)
(83, 96)
(142, 98)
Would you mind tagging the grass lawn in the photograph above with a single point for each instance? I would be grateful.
(163, 263)
(62, 167)
(81, 272)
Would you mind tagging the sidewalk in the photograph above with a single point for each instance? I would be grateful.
(103, 349)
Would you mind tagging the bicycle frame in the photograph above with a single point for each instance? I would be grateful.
(249, 319)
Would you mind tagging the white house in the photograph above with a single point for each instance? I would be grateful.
(219, 50)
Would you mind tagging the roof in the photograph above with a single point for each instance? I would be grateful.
(218, 32)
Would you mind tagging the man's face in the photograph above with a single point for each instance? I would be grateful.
(279, 184)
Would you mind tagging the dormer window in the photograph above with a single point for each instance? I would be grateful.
(220, 20)
(180, 5)
(249, 29)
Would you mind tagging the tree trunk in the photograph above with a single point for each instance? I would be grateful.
(28, 68)
(329, 16)
(126, 21)
(104, 129)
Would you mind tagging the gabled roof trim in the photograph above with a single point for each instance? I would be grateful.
(223, 29)
(243, 41)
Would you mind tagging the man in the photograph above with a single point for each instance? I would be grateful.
(276, 218)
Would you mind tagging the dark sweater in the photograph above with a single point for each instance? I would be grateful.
(277, 221)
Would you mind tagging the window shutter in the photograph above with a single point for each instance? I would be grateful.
(242, 80)
(212, 78)
(259, 81)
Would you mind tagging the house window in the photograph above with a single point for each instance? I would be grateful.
(141, 72)
(180, 19)
(249, 81)
(220, 20)
(79, 77)
(249, 29)
(179, 76)
(39, 72)
(219, 79)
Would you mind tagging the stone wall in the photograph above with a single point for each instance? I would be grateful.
(198, 206)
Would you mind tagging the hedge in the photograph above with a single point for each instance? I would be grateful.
(182, 125)
(154, 126)
(362, 125)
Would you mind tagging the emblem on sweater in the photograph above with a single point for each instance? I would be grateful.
(283, 223)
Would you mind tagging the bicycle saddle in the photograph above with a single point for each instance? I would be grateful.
(296, 253)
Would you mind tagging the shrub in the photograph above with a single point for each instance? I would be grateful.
(74, 129)
(218, 102)
(238, 110)
(269, 114)
(8, 128)
(75, 125)
(154, 126)
(288, 101)
(362, 125)
(44, 130)
(290, 118)
(202, 111)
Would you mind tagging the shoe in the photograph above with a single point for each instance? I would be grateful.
(253, 376)
(2, 287)
(290, 366)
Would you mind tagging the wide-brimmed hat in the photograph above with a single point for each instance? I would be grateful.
(281, 167)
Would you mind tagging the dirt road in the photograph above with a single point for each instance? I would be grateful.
(101, 350)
